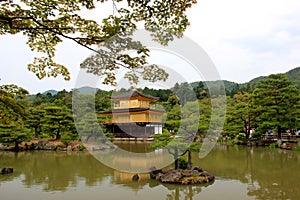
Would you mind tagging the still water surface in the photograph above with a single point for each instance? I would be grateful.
(241, 173)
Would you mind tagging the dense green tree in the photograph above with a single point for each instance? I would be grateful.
(184, 92)
(34, 120)
(205, 115)
(170, 103)
(173, 100)
(278, 102)
(102, 100)
(14, 90)
(65, 97)
(236, 89)
(13, 111)
(240, 113)
(201, 90)
(40, 99)
(173, 119)
(14, 133)
(233, 124)
(189, 127)
(183, 139)
(82, 104)
(91, 130)
(46, 23)
(163, 94)
(58, 121)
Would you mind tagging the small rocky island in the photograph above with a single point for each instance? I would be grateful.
(195, 175)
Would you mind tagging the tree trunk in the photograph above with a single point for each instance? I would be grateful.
(248, 124)
(36, 132)
(58, 135)
(176, 158)
(246, 128)
(189, 165)
(279, 132)
(16, 146)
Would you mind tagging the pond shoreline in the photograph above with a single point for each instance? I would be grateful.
(57, 145)
(45, 144)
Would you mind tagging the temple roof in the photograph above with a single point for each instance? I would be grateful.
(134, 94)
(129, 110)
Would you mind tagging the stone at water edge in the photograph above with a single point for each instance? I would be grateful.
(69, 148)
(154, 172)
(7, 170)
(172, 176)
(135, 177)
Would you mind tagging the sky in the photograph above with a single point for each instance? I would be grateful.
(244, 39)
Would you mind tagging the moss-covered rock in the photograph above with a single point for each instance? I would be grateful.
(196, 175)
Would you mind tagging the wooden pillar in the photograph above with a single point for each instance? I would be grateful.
(130, 127)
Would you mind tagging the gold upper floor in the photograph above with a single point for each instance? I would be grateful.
(132, 103)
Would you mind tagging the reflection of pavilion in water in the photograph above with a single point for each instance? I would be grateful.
(133, 115)
(135, 162)
(176, 191)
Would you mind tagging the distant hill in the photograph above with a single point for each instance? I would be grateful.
(227, 84)
(293, 75)
(82, 90)
(258, 79)
(87, 90)
(52, 92)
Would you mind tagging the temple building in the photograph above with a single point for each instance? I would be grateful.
(133, 115)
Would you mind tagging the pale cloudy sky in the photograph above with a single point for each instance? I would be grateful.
(244, 38)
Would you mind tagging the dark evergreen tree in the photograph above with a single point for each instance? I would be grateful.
(201, 90)
(278, 101)
(58, 121)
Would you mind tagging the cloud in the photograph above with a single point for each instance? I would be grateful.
(247, 38)
(15, 55)
(244, 38)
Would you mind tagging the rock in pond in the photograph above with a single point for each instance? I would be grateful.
(7, 170)
(135, 177)
(2, 147)
(195, 175)
(154, 172)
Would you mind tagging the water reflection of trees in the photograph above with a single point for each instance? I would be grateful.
(269, 174)
(186, 192)
(56, 172)
(277, 176)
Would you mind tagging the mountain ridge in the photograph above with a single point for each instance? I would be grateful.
(292, 74)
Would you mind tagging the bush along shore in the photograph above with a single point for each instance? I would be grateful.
(57, 145)
(45, 144)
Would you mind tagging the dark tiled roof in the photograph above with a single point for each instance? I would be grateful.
(132, 94)
(131, 110)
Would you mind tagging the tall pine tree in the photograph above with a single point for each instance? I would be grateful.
(278, 101)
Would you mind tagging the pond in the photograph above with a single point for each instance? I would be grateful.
(241, 173)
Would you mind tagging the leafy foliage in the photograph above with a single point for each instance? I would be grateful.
(12, 130)
(296, 148)
(278, 102)
(58, 121)
(34, 120)
(274, 103)
(240, 113)
(46, 23)
(13, 134)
